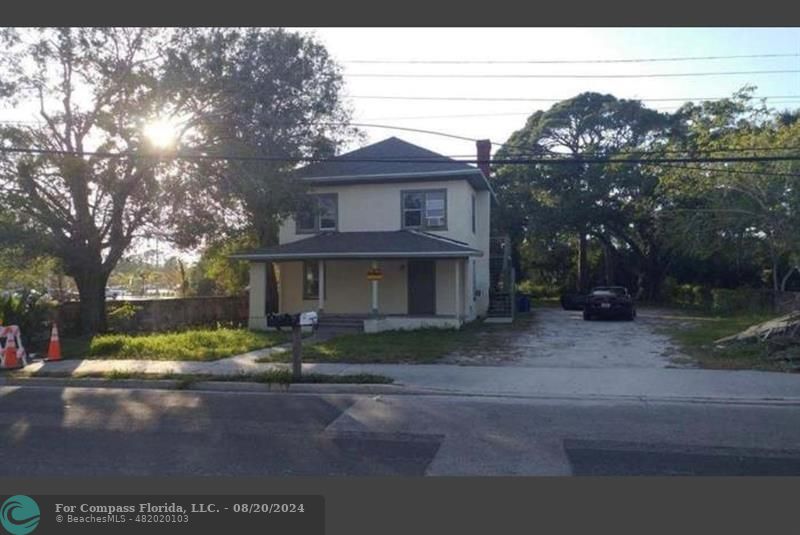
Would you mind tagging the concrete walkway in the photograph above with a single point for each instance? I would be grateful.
(588, 383)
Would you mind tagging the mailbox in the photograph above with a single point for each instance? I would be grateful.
(309, 318)
(282, 320)
(292, 320)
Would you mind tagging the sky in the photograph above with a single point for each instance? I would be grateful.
(498, 120)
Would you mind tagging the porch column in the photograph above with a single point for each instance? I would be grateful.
(321, 276)
(374, 285)
(258, 296)
(457, 264)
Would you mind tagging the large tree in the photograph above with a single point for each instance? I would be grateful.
(92, 89)
(273, 98)
(585, 199)
(718, 207)
(246, 106)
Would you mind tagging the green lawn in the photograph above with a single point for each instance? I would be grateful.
(420, 346)
(697, 341)
(196, 344)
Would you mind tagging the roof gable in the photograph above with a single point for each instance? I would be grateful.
(366, 161)
(376, 164)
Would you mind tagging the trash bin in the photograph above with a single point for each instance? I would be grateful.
(523, 303)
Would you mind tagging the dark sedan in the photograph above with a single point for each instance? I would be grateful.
(609, 302)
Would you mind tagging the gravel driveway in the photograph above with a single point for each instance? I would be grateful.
(557, 338)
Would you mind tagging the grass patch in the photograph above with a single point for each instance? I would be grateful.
(285, 377)
(421, 346)
(697, 341)
(193, 345)
(185, 380)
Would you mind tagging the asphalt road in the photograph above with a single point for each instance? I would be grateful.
(49, 431)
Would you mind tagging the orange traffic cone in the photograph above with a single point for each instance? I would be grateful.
(54, 350)
(10, 359)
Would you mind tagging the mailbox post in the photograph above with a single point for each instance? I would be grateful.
(296, 322)
(297, 350)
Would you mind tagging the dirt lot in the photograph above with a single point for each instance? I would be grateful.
(556, 338)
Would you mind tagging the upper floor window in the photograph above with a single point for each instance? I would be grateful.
(320, 216)
(425, 209)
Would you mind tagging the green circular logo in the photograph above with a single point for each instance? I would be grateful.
(19, 515)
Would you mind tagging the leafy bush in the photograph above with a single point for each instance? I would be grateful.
(740, 300)
(120, 316)
(687, 295)
(30, 311)
(539, 291)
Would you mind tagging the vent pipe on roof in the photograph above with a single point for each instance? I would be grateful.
(484, 155)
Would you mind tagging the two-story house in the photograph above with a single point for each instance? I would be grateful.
(399, 239)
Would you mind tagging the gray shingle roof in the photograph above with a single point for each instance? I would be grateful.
(391, 148)
(389, 244)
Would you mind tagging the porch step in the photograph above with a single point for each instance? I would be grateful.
(342, 321)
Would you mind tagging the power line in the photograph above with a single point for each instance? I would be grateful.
(526, 99)
(496, 114)
(698, 151)
(732, 171)
(504, 161)
(580, 76)
(513, 147)
(408, 129)
(563, 61)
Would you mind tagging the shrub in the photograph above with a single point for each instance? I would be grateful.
(687, 295)
(539, 291)
(120, 316)
(30, 311)
(741, 300)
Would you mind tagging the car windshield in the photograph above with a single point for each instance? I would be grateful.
(616, 290)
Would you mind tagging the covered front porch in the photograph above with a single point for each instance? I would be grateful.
(384, 289)
(385, 294)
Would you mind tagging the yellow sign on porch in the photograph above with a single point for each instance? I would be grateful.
(374, 274)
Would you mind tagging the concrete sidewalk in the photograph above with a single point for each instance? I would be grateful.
(645, 383)
(642, 383)
(236, 365)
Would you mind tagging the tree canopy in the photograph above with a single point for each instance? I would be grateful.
(643, 222)
(94, 180)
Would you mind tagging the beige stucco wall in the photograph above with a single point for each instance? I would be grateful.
(377, 207)
(481, 303)
(347, 290)
(445, 287)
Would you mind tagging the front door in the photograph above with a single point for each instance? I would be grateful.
(422, 287)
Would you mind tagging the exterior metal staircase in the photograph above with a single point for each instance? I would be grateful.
(501, 280)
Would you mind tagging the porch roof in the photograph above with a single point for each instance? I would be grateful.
(372, 245)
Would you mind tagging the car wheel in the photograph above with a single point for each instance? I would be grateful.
(587, 316)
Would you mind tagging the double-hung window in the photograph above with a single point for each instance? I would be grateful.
(321, 214)
(425, 209)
